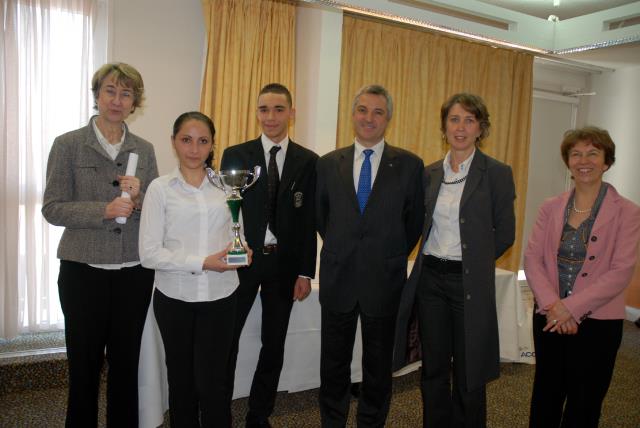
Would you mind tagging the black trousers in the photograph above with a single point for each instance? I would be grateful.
(276, 309)
(197, 339)
(338, 331)
(440, 298)
(573, 373)
(103, 309)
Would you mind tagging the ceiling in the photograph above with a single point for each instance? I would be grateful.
(598, 32)
(566, 9)
(627, 55)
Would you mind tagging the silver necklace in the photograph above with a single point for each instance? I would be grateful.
(573, 207)
(459, 180)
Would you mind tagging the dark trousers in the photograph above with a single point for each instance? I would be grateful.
(338, 331)
(276, 308)
(441, 321)
(103, 309)
(573, 372)
(197, 341)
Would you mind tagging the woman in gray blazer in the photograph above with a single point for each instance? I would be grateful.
(469, 223)
(104, 291)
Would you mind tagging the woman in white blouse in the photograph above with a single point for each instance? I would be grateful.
(185, 231)
(469, 223)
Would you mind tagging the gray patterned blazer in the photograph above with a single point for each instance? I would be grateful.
(81, 180)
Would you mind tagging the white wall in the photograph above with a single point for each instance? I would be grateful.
(164, 40)
(615, 107)
(318, 46)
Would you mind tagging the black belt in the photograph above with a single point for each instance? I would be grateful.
(442, 265)
(269, 249)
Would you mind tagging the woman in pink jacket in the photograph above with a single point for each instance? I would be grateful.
(580, 258)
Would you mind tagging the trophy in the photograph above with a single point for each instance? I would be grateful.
(233, 182)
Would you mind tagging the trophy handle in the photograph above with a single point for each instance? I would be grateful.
(255, 174)
(215, 179)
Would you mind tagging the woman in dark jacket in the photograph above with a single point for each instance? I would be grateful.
(469, 223)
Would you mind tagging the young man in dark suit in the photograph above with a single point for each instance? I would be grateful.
(278, 218)
(370, 208)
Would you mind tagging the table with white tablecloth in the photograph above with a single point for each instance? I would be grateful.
(301, 369)
(514, 320)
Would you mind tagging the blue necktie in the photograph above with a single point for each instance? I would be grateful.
(364, 183)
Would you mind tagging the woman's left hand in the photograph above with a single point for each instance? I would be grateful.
(557, 315)
(131, 185)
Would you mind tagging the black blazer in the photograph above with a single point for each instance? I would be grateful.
(295, 209)
(364, 257)
(487, 230)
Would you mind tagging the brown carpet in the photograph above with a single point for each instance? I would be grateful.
(508, 399)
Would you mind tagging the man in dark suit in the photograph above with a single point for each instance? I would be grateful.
(278, 217)
(370, 207)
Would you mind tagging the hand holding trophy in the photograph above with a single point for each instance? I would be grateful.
(233, 182)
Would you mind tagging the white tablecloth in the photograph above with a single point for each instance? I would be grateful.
(514, 321)
(301, 369)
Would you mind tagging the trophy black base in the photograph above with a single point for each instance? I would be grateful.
(238, 259)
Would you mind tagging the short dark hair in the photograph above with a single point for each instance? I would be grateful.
(598, 137)
(196, 115)
(374, 90)
(277, 88)
(125, 75)
(471, 103)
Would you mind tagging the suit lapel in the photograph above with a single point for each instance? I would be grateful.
(256, 157)
(345, 170)
(92, 141)
(384, 176)
(431, 196)
(476, 171)
(607, 212)
(289, 169)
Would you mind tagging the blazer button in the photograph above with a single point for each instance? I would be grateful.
(117, 231)
(115, 183)
(592, 257)
(119, 164)
(468, 296)
(584, 274)
(464, 246)
(462, 220)
(466, 271)
(594, 238)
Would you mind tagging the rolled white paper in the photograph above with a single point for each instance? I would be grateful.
(132, 164)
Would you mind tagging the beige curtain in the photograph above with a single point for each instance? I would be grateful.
(250, 43)
(421, 70)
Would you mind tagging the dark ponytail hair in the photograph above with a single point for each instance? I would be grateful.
(196, 115)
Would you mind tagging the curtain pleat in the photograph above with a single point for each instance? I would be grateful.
(250, 43)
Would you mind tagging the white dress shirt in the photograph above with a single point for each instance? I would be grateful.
(444, 239)
(180, 226)
(358, 159)
(112, 150)
(267, 144)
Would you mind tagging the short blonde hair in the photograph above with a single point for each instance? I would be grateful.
(125, 75)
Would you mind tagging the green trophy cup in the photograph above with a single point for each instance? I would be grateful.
(233, 182)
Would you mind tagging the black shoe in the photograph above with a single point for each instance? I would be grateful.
(260, 424)
(255, 422)
(355, 389)
(637, 323)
